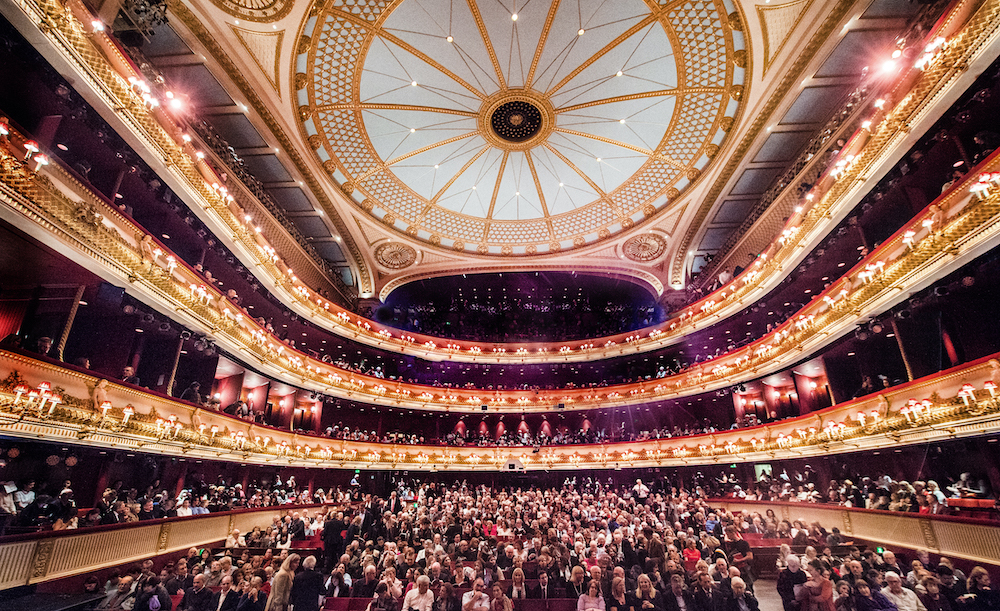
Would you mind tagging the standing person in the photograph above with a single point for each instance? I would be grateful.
(817, 591)
(307, 587)
(281, 585)
(333, 539)
(790, 581)
(739, 554)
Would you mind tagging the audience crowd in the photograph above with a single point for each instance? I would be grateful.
(430, 547)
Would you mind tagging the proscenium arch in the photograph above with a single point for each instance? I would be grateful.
(646, 280)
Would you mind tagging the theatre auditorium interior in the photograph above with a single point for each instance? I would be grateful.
(499, 305)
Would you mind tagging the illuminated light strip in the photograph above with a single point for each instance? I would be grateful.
(37, 9)
(905, 259)
(959, 402)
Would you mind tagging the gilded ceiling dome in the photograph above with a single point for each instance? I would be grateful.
(518, 129)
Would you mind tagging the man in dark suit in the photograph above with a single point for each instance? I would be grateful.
(115, 515)
(394, 505)
(742, 600)
(333, 541)
(544, 589)
(678, 598)
(180, 581)
(307, 587)
(197, 597)
(297, 528)
(707, 596)
(226, 599)
(365, 588)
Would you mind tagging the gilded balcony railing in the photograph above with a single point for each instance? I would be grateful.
(42, 400)
(959, 40)
(960, 225)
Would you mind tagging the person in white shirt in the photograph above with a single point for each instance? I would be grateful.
(419, 598)
(26, 495)
(905, 600)
(475, 599)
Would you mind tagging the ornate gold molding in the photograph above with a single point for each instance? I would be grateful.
(945, 408)
(194, 25)
(957, 227)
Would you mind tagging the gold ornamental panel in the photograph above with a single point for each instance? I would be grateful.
(485, 131)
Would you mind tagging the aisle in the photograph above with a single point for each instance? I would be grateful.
(767, 596)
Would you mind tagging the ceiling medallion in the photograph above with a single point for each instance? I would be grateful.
(645, 247)
(393, 255)
(531, 134)
(516, 120)
(260, 11)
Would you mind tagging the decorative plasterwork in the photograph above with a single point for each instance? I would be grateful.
(395, 255)
(626, 104)
(833, 17)
(778, 22)
(644, 247)
(265, 50)
(197, 29)
(261, 11)
(935, 408)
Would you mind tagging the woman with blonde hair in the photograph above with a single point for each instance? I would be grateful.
(281, 585)
(645, 596)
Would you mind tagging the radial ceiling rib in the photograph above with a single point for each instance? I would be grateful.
(603, 51)
(538, 184)
(593, 185)
(430, 62)
(496, 186)
(541, 43)
(429, 147)
(406, 107)
(489, 45)
(676, 91)
(460, 171)
(637, 149)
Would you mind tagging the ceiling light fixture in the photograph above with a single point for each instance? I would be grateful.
(580, 32)
(513, 17)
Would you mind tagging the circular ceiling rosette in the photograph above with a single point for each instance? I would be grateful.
(512, 128)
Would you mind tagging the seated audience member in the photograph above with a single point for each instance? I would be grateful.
(903, 598)
(198, 597)
(117, 598)
(741, 600)
(869, 599)
(253, 599)
(226, 599)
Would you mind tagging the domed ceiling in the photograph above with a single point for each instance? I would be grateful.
(517, 128)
